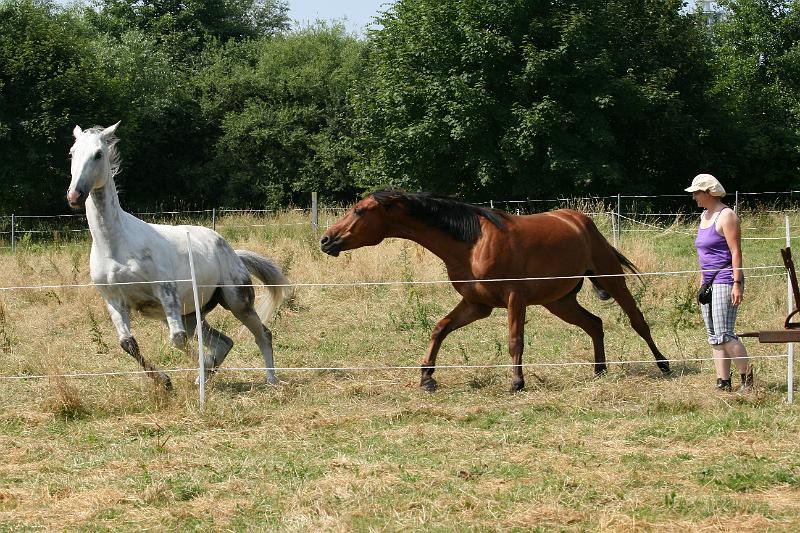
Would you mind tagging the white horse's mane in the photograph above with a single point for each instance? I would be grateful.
(114, 157)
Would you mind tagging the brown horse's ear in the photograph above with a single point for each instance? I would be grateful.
(389, 199)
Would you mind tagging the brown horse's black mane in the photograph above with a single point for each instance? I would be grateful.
(458, 219)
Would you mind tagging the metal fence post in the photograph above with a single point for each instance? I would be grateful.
(314, 213)
(790, 307)
(13, 235)
(614, 227)
(201, 359)
(214, 218)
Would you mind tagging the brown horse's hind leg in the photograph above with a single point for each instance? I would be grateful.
(463, 314)
(618, 289)
(569, 310)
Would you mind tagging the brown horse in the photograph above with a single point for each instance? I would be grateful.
(477, 243)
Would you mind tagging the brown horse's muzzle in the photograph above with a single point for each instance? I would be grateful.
(331, 246)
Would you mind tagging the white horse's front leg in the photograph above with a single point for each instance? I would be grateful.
(120, 316)
(173, 310)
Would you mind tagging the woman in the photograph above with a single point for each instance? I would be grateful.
(719, 251)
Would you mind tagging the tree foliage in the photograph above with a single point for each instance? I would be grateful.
(186, 27)
(283, 113)
(528, 97)
(222, 104)
(46, 76)
(757, 88)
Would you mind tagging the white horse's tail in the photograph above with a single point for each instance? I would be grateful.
(269, 274)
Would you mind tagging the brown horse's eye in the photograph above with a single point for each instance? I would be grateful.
(358, 211)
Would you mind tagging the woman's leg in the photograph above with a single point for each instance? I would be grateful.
(722, 362)
(724, 317)
(725, 322)
(736, 352)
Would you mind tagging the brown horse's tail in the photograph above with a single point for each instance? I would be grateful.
(604, 264)
(626, 263)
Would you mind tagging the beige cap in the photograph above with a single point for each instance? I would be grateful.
(707, 183)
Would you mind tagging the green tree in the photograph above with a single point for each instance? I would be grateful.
(56, 71)
(533, 98)
(283, 115)
(161, 131)
(46, 79)
(757, 89)
(185, 27)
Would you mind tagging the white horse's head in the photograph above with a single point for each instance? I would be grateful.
(94, 162)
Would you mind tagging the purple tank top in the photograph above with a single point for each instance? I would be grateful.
(713, 253)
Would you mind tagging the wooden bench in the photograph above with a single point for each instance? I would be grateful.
(791, 330)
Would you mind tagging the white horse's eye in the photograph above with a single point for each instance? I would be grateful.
(98, 155)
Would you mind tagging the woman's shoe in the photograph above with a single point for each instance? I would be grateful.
(747, 382)
(723, 385)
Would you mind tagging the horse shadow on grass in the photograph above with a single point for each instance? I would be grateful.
(476, 380)
(642, 370)
(286, 381)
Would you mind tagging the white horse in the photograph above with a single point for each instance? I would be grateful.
(135, 264)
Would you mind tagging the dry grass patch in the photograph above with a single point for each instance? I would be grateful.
(343, 450)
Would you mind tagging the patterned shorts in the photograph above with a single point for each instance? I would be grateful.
(720, 315)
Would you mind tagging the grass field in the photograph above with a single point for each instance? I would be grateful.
(358, 450)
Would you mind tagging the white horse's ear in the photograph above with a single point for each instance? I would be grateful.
(77, 131)
(109, 131)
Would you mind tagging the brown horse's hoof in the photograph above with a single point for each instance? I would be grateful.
(518, 386)
(429, 385)
(600, 370)
(664, 366)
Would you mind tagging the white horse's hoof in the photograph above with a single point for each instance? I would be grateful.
(179, 340)
(272, 380)
(209, 374)
(165, 380)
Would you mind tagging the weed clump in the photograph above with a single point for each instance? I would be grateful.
(64, 399)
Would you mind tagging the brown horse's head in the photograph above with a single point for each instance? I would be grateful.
(363, 225)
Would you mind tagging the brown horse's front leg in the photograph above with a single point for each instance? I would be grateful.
(463, 314)
(516, 340)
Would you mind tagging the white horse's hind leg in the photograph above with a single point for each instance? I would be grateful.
(218, 345)
(239, 301)
(263, 337)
